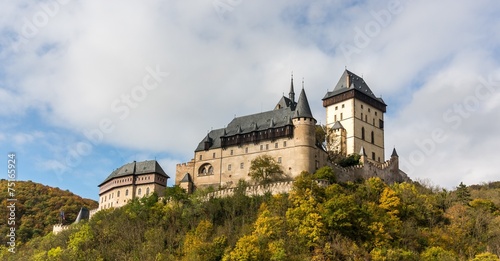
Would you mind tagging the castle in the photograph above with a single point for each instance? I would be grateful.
(354, 118)
(354, 121)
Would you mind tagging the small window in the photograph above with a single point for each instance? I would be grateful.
(373, 122)
(361, 106)
(336, 107)
(381, 124)
(373, 138)
(375, 113)
(284, 143)
(369, 110)
(343, 105)
(334, 118)
(139, 191)
(126, 192)
(373, 155)
(261, 147)
(118, 193)
(267, 146)
(279, 159)
(231, 152)
(246, 150)
(341, 116)
(241, 165)
(276, 145)
(363, 133)
(201, 157)
(229, 167)
(213, 155)
(366, 118)
(147, 191)
(361, 116)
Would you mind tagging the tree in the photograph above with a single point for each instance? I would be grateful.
(264, 170)
(463, 194)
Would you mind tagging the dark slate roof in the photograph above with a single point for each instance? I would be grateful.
(355, 82)
(187, 178)
(285, 102)
(394, 153)
(337, 125)
(260, 121)
(136, 168)
(303, 110)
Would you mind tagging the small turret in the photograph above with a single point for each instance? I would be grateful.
(362, 155)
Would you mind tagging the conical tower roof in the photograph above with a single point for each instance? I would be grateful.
(303, 110)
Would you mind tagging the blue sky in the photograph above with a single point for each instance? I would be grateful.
(87, 86)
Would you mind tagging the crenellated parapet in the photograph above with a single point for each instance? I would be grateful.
(273, 188)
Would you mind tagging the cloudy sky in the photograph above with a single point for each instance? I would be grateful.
(87, 86)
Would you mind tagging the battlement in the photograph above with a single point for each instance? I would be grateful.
(58, 228)
(273, 188)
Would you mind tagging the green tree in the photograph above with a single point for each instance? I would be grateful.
(438, 254)
(264, 170)
(463, 194)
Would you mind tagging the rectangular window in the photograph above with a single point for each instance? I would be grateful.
(276, 145)
(375, 113)
(241, 165)
(343, 105)
(231, 152)
(334, 118)
(284, 143)
(369, 110)
(261, 147)
(373, 122)
(373, 155)
(341, 116)
(361, 106)
(229, 167)
(201, 157)
(213, 155)
(279, 159)
(366, 118)
(336, 107)
(381, 124)
(246, 150)
(267, 146)
(361, 116)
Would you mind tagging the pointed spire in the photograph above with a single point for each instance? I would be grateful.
(362, 151)
(394, 153)
(303, 110)
(291, 94)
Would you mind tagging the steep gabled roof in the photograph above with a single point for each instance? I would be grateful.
(337, 125)
(187, 178)
(281, 116)
(349, 81)
(136, 168)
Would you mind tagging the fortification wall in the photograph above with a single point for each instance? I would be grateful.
(388, 171)
(273, 188)
(59, 228)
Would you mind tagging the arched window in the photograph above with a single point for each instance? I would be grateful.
(147, 191)
(363, 133)
(373, 138)
(126, 192)
(118, 193)
(139, 192)
(205, 169)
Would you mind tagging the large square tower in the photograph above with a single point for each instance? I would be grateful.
(354, 108)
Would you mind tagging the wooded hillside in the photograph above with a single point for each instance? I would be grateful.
(368, 220)
(38, 208)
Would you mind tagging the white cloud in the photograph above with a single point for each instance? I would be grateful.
(89, 54)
